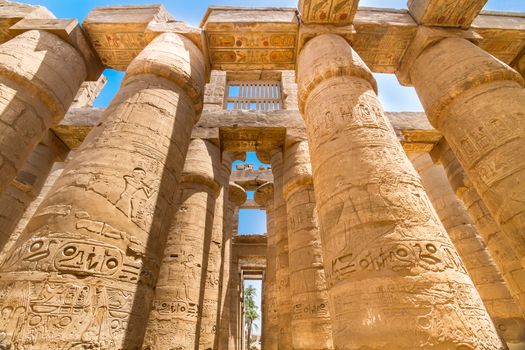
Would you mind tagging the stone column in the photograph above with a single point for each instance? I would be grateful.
(478, 103)
(229, 317)
(395, 279)
(174, 319)
(24, 189)
(500, 249)
(40, 75)
(214, 250)
(284, 304)
(494, 292)
(311, 326)
(50, 180)
(264, 197)
(82, 274)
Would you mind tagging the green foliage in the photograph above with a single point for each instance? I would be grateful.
(251, 312)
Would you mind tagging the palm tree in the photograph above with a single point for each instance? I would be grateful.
(251, 312)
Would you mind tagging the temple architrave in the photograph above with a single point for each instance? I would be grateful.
(385, 230)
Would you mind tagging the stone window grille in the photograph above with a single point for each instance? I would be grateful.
(253, 95)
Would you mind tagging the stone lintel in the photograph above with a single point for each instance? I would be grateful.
(425, 37)
(391, 32)
(445, 13)
(251, 179)
(88, 92)
(12, 12)
(250, 204)
(119, 33)
(77, 123)
(251, 262)
(70, 31)
(241, 38)
(503, 34)
(250, 246)
(338, 12)
(59, 148)
(242, 131)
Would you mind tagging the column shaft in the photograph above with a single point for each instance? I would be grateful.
(215, 250)
(82, 274)
(175, 316)
(40, 75)
(50, 180)
(395, 279)
(311, 326)
(264, 196)
(495, 294)
(284, 305)
(506, 260)
(478, 103)
(24, 189)
(227, 330)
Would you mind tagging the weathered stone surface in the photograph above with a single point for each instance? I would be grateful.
(495, 294)
(500, 248)
(120, 33)
(338, 12)
(12, 12)
(178, 303)
(88, 92)
(53, 175)
(478, 103)
(91, 253)
(229, 317)
(265, 197)
(251, 179)
(284, 305)
(388, 260)
(445, 13)
(311, 326)
(412, 128)
(70, 31)
(251, 38)
(503, 34)
(39, 76)
(27, 185)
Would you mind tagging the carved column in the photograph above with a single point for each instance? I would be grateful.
(284, 304)
(395, 279)
(478, 103)
(311, 327)
(500, 249)
(25, 188)
(50, 180)
(174, 319)
(495, 294)
(229, 318)
(40, 75)
(82, 274)
(214, 250)
(264, 196)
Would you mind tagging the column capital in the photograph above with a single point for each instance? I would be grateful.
(324, 57)
(176, 58)
(236, 194)
(264, 194)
